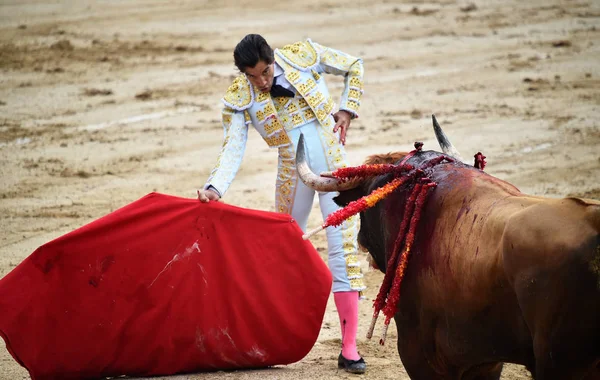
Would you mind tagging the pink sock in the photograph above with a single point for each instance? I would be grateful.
(347, 307)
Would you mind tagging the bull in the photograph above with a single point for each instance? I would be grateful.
(496, 276)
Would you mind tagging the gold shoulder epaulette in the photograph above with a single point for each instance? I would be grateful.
(240, 94)
(302, 55)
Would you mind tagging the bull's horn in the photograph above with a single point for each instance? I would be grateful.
(314, 181)
(444, 142)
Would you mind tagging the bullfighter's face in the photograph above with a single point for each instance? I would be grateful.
(261, 75)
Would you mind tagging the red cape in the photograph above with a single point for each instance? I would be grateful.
(166, 285)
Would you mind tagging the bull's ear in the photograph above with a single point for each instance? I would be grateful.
(348, 196)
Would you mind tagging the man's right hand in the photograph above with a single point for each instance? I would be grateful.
(208, 195)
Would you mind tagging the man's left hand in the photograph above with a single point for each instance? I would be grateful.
(342, 123)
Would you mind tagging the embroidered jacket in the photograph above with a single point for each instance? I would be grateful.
(303, 63)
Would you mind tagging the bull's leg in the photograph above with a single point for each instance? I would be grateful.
(563, 316)
(424, 359)
(566, 332)
(557, 364)
(415, 362)
(418, 364)
(490, 371)
(550, 266)
(565, 336)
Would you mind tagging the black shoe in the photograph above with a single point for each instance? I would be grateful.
(352, 366)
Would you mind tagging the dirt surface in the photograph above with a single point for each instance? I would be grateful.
(104, 102)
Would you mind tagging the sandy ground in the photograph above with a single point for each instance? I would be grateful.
(104, 102)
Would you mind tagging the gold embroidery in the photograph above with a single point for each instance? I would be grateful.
(280, 102)
(286, 155)
(354, 94)
(297, 111)
(285, 189)
(352, 105)
(262, 96)
(351, 260)
(357, 284)
(278, 139)
(328, 107)
(354, 272)
(260, 115)
(293, 76)
(301, 54)
(328, 122)
(316, 75)
(286, 180)
(309, 115)
(321, 114)
(314, 100)
(305, 88)
(331, 147)
(339, 63)
(297, 119)
(273, 126)
(269, 110)
(356, 82)
(348, 245)
(239, 95)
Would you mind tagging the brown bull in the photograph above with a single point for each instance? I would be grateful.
(495, 275)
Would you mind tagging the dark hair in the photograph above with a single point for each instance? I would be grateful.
(252, 49)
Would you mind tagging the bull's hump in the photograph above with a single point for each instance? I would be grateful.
(424, 155)
(421, 157)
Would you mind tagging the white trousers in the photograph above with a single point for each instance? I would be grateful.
(341, 240)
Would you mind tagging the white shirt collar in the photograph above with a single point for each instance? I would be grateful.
(277, 70)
